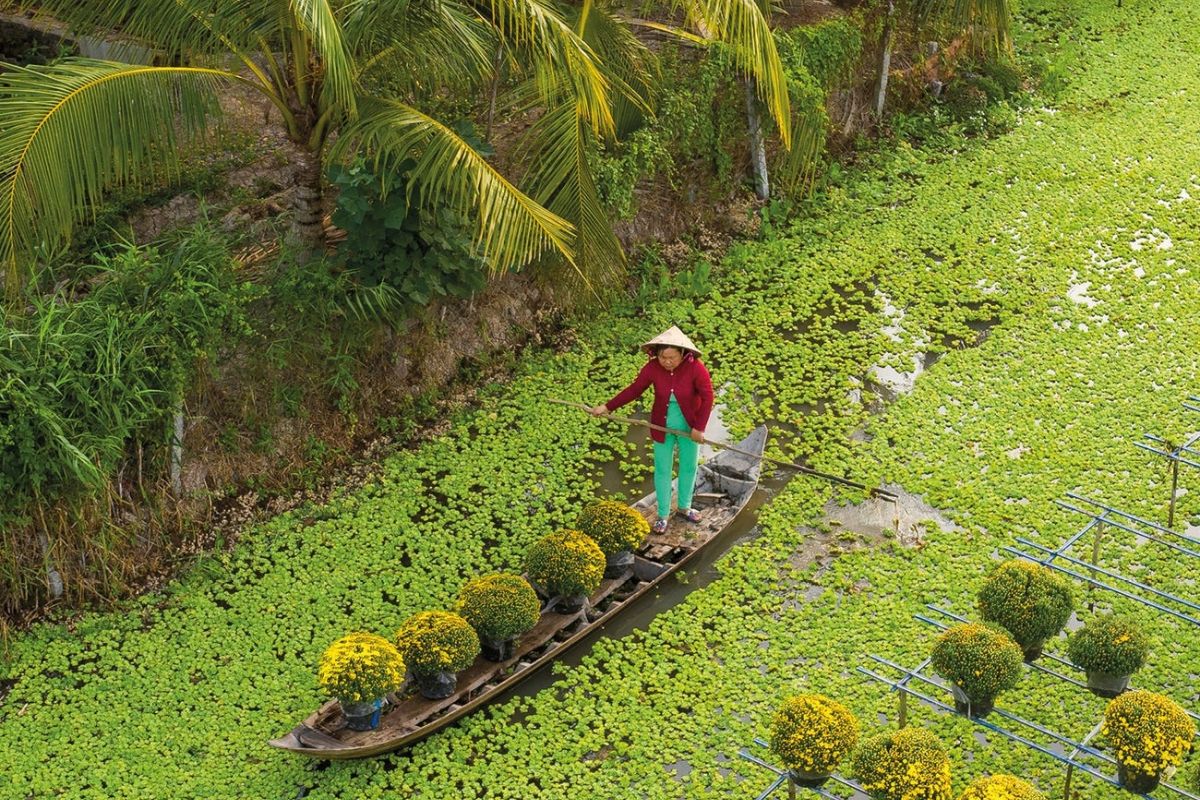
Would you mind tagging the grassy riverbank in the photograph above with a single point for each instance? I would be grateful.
(176, 696)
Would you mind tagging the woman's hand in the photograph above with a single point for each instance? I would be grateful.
(697, 435)
(598, 411)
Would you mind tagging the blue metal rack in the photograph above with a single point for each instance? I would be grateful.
(782, 778)
(1079, 750)
(1176, 454)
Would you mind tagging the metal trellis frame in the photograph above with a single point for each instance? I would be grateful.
(1080, 751)
(1175, 453)
(783, 778)
(1104, 516)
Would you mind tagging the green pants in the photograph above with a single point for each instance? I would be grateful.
(664, 456)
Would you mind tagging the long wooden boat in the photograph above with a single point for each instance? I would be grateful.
(723, 486)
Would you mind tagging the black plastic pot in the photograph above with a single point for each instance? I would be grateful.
(1137, 782)
(501, 650)
(362, 716)
(1103, 684)
(971, 707)
(618, 563)
(436, 685)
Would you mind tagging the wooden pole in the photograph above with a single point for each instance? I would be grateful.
(1174, 491)
(882, 494)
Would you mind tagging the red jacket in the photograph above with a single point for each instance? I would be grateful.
(690, 382)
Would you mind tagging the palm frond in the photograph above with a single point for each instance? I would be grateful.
(741, 26)
(318, 20)
(794, 169)
(187, 29)
(558, 50)
(628, 64)
(561, 180)
(369, 304)
(435, 44)
(75, 128)
(513, 229)
(989, 21)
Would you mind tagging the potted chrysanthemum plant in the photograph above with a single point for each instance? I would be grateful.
(1148, 733)
(500, 608)
(359, 669)
(1028, 600)
(1109, 649)
(980, 662)
(617, 529)
(566, 565)
(1001, 787)
(811, 734)
(903, 765)
(436, 646)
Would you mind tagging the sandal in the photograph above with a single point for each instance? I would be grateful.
(691, 515)
(660, 526)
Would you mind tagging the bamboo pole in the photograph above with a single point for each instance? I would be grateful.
(882, 494)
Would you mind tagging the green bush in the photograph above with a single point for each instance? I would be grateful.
(85, 376)
(983, 661)
(908, 764)
(1110, 645)
(1000, 787)
(499, 607)
(420, 251)
(437, 641)
(1028, 600)
(613, 526)
(565, 563)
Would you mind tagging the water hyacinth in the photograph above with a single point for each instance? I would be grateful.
(360, 667)
(908, 764)
(812, 733)
(1148, 732)
(1028, 600)
(983, 661)
(565, 563)
(437, 641)
(1001, 787)
(499, 606)
(613, 525)
(1110, 645)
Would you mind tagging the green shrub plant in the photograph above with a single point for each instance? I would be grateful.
(1109, 645)
(908, 764)
(1030, 601)
(983, 661)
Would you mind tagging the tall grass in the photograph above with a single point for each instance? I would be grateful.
(92, 374)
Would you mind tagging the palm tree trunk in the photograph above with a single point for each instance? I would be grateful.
(758, 146)
(308, 229)
(885, 64)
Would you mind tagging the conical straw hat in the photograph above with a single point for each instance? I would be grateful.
(675, 338)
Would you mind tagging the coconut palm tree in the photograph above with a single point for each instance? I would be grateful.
(76, 128)
(743, 28)
(987, 23)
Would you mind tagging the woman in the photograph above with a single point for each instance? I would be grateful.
(683, 400)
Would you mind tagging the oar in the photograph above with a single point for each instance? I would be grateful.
(882, 494)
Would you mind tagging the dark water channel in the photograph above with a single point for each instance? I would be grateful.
(880, 385)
